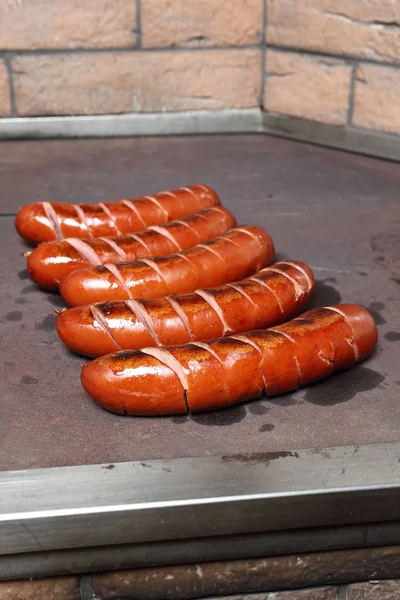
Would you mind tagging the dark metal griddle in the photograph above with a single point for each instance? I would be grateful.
(338, 212)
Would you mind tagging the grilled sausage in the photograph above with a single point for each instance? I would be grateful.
(51, 262)
(237, 254)
(272, 296)
(200, 376)
(46, 221)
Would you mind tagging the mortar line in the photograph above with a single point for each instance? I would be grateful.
(264, 54)
(131, 49)
(86, 591)
(350, 108)
(341, 592)
(139, 23)
(8, 65)
(349, 58)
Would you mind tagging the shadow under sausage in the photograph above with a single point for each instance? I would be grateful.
(221, 418)
(343, 386)
(324, 295)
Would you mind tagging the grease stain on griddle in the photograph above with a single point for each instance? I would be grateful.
(23, 274)
(362, 273)
(21, 300)
(8, 363)
(323, 452)
(257, 408)
(221, 418)
(386, 248)
(27, 289)
(266, 427)
(258, 457)
(343, 386)
(14, 315)
(392, 336)
(324, 294)
(28, 379)
(374, 308)
(47, 324)
(56, 300)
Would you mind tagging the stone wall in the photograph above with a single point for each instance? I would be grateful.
(328, 61)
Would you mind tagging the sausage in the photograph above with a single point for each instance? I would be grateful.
(51, 262)
(233, 256)
(272, 296)
(46, 221)
(201, 377)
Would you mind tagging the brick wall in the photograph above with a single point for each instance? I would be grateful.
(330, 61)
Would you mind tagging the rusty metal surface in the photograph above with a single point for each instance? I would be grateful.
(338, 212)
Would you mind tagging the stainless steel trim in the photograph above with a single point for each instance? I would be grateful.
(144, 124)
(361, 141)
(166, 500)
(254, 120)
(131, 556)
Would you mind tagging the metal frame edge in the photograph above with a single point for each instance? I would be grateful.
(135, 124)
(346, 137)
(229, 121)
(159, 503)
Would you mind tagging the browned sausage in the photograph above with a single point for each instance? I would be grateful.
(272, 296)
(200, 376)
(237, 254)
(46, 221)
(51, 262)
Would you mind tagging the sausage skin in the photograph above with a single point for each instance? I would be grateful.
(51, 262)
(46, 221)
(231, 257)
(200, 377)
(272, 296)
